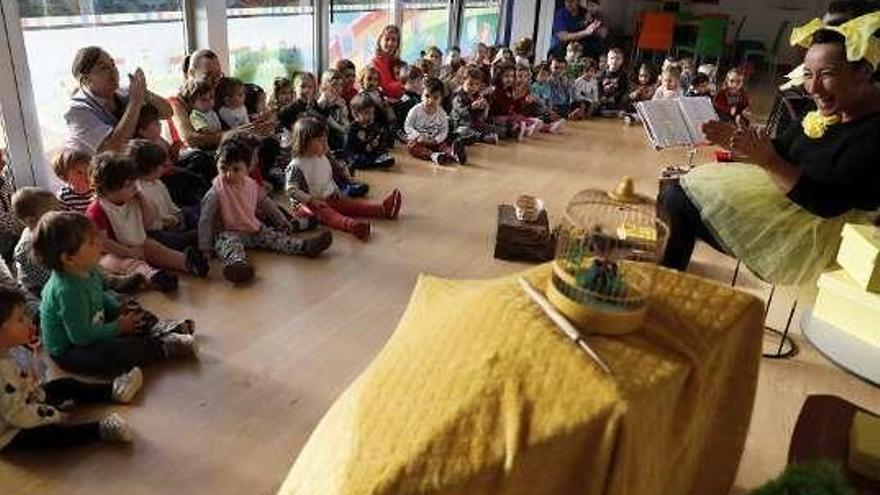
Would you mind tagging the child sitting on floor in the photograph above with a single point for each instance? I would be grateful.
(453, 64)
(364, 143)
(504, 108)
(435, 56)
(199, 95)
(282, 93)
(30, 414)
(731, 101)
(412, 94)
(613, 84)
(10, 228)
(310, 183)
(188, 174)
(230, 220)
(85, 329)
(470, 110)
(384, 114)
(561, 96)
(29, 204)
(73, 166)
(335, 109)
(121, 213)
(342, 173)
(643, 90)
(170, 225)
(349, 78)
(255, 102)
(427, 127)
(699, 86)
(229, 103)
(586, 89)
(670, 84)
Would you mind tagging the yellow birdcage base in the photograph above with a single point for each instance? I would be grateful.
(593, 318)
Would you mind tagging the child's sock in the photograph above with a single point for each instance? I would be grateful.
(522, 131)
(127, 385)
(114, 428)
(392, 203)
(556, 127)
(536, 125)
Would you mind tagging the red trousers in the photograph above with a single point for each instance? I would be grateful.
(424, 151)
(338, 211)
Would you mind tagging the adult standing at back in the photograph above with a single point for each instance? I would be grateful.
(102, 116)
(387, 60)
(569, 27)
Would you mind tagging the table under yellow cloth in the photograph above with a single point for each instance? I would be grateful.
(477, 392)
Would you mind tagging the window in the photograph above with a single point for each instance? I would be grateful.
(480, 23)
(425, 23)
(355, 26)
(269, 39)
(54, 30)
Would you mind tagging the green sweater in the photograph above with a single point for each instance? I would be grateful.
(76, 311)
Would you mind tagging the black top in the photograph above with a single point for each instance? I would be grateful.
(841, 170)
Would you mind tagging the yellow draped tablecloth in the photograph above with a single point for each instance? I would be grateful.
(477, 392)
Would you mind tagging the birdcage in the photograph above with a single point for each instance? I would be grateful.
(608, 247)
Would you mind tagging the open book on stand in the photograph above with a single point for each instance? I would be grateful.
(678, 122)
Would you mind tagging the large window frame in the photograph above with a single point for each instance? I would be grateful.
(205, 25)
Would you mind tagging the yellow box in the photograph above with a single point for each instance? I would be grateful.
(864, 445)
(859, 255)
(842, 303)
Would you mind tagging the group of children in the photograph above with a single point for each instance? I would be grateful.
(127, 220)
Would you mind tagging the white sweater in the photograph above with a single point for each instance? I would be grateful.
(234, 117)
(157, 194)
(421, 123)
(21, 401)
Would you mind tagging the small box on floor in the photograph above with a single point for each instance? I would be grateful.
(521, 240)
(843, 303)
(859, 255)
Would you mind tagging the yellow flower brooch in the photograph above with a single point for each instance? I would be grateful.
(815, 124)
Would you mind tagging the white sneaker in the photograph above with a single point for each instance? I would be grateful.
(535, 127)
(178, 345)
(114, 428)
(127, 385)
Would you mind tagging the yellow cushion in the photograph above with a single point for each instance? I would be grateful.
(477, 392)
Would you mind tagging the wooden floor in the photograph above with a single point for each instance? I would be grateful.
(277, 353)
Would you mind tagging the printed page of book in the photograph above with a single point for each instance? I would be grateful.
(697, 111)
(665, 123)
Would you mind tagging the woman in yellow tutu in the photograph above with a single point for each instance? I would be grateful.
(781, 208)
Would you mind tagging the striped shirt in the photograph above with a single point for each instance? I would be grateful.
(74, 201)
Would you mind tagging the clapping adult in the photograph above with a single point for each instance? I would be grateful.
(102, 116)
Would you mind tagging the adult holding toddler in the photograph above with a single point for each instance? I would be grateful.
(102, 116)
(387, 60)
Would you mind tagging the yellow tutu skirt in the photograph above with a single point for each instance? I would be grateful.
(778, 240)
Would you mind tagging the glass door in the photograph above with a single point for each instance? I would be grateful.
(269, 39)
(138, 33)
(425, 23)
(355, 26)
(479, 23)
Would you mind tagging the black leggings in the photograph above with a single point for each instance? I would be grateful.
(111, 355)
(685, 227)
(54, 436)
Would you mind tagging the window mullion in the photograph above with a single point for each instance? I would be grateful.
(25, 147)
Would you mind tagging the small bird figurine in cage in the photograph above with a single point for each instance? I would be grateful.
(606, 255)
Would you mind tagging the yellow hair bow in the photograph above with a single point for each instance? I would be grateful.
(859, 34)
(860, 42)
